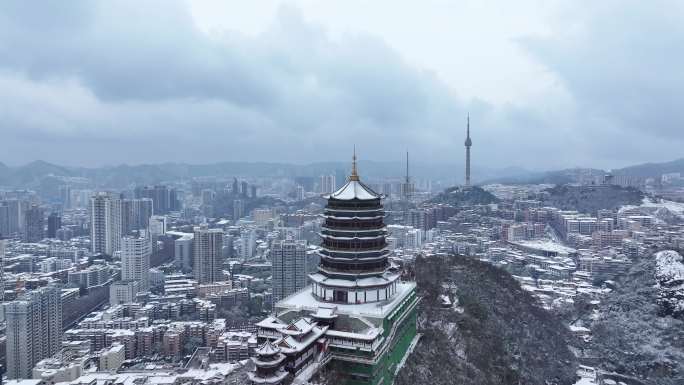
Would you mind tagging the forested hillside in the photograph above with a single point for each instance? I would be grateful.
(496, 334)
(459, 196)
(637, 332)
(589, 199)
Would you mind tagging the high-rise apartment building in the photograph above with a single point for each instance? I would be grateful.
(235, 187)
(164, 199)
(18, 208)
(34, 224)
(228, 246)
(238, 209)
(34, 330)
(135, 214)
(248, 244)
(175, 200)
(143, 209)
(100, 212)
(207, 196)
(107, 220)
(2, 270)
(300, 193)
(288, 259)
(4, 220)
(183, 250)
(207, 255)
(327, 184)
(136, 250)
(65, 196)
(117, 222)
(157, 225)
(127, 217)
(54, 222)
(13, 215)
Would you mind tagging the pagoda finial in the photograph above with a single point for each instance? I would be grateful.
(354, 175)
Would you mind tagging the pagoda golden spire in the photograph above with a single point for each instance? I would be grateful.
(354, 175)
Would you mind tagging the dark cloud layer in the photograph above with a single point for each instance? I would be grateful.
(89, 82)
(624, 61)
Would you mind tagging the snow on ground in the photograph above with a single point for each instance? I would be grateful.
(669, 273)
(674, 207)
(669, 266)
(546, 245)
(587, 375)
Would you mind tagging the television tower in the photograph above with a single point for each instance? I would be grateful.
(406, 190)
(468, 144)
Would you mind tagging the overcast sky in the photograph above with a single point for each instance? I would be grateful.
(548, 84)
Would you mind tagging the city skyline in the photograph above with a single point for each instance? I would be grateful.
(286, 192)
(291, 272)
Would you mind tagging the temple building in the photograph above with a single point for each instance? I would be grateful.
(357, 319)
(268, 362)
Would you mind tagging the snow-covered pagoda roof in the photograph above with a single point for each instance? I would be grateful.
(354, 189)
(267, 349)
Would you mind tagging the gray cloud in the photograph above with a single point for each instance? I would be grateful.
(88, 82)
(622, 61)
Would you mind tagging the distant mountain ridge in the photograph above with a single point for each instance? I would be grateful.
(572, 175)
(30, 175)
(652, 169)
(564, 176)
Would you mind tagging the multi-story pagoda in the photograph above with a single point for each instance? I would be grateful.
(357, 318)
(354, 253)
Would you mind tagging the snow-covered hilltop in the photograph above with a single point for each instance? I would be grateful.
(669, 274)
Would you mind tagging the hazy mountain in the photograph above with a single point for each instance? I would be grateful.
(29, 175)
(123, 175)
(652, 169)
(572, 175)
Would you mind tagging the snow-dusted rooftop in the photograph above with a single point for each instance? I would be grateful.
(304, 300)
(151, 376)
(676, 208)
(378, 281)
(545, 245)
(268, 349)
(354, 189)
